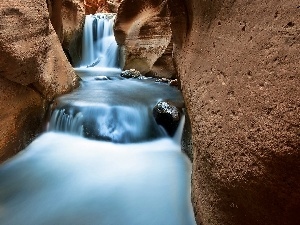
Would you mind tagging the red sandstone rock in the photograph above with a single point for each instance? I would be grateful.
(21, 112)
(238, 63)
(73, 17)
(94, 6)
(144, 33)
(101, 6)
(54, 8)
(113, 5)
(33, 68)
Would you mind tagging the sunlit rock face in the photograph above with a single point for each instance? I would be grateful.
(33, 68)
(92, 6)
(238, 63)
(101, 6)
(143, 31)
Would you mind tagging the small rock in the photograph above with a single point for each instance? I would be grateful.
(101, 78)
(144, 78)
(94, 63)
(168, 116)
(162, 80)
(131, 73)
(173, 82)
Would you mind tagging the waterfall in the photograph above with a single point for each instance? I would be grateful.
(113, 110)
(103, 158)
(99, 48)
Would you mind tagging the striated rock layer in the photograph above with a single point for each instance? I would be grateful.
(144, 34)
(238, 63)
(33, 70)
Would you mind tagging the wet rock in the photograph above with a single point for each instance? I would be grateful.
(162, 80)
(101, 78)
(131, 73)
(187, 139)
(144, 78)
(94, 63)
(168, 116)
(173, 82)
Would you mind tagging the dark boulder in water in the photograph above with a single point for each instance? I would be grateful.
(132, 73)
(167, 115)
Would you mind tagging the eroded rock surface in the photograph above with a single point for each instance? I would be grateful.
(73, 16)
(238, 63)
(21, 112)
(33, 68)
(101, 6)
(143, 31)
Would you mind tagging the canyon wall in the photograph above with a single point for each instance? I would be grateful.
(33, 70)
(143, 32)
(238, 63)
(238, 67)
(73, 17)
(103, 6)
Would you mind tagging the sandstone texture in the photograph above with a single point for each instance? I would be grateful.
(101, 6)
(73, 17)
(143, 32)
(21, 112)
(54, 8)
(238, 63)
(67, 18)
(33, 70)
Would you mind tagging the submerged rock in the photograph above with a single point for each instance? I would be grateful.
(101, 78)
(131, 73)
(94, 63)
(168, 116)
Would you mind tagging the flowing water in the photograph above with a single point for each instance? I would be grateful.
(103, 159)
(99, 48)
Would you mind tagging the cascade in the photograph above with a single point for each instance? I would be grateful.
(103, 159)
(99, 48)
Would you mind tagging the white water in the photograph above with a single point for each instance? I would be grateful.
(65, 178)
(69, 180)
(115, 110)
(99, 48)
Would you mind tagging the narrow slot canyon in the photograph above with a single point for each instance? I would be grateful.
(149, 112)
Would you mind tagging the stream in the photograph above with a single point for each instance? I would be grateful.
(103, 159)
